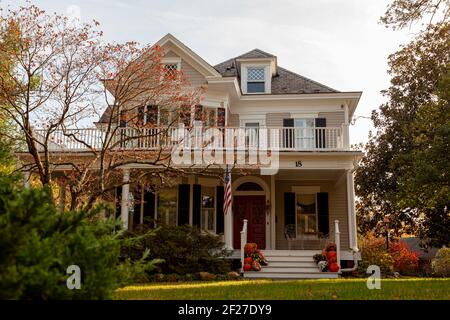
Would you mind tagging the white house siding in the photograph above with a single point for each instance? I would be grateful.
(337, 198)
(195, 78)
(276, 119)
(334, 119)
(233, 120)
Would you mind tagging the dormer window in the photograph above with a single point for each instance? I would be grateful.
(256, 80)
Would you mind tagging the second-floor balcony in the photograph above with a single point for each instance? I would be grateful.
(242, 138)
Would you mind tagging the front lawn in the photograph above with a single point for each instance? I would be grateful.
(414, 289)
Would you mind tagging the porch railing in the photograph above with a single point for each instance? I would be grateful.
(243, 138)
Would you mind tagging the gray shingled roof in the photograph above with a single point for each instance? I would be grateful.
(283, 82)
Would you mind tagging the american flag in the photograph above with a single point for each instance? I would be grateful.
(227, 192)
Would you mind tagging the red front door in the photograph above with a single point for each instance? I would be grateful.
(251, 208)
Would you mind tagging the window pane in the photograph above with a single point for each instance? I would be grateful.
(255, 87)
(208, 205)
(306, 213)
(255, 74)
(167, 207)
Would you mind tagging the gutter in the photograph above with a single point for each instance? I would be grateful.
(355, 262)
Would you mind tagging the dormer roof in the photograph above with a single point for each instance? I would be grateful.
(283, 82)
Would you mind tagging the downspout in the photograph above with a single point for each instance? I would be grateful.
(355, 262)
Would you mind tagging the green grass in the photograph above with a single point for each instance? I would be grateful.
(353, 289)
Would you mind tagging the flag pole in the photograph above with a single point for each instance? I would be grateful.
(228, 214)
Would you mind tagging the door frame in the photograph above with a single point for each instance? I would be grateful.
(266, 192)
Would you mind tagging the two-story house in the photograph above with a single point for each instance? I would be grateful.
(291, 211)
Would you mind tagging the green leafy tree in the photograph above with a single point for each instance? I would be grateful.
(402, 183)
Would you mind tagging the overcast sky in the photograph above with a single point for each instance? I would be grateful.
(336, 42)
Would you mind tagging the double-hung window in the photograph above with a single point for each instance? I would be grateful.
(208, 209)
(256, 79)
(306, 213)
(167, 207)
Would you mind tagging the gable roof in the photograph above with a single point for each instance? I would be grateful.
(284, 82)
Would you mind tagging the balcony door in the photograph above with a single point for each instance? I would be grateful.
(304, 133)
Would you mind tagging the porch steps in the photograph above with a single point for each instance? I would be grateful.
(290, 264)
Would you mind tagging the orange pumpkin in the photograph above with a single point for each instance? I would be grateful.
(248, 260)
(247, 267)
(334, 267)
(331, 255)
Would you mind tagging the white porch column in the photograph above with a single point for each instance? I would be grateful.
(26, 179)
(352, 229)
(125, 198)
(228, 229)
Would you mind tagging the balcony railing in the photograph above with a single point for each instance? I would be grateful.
(244, 138)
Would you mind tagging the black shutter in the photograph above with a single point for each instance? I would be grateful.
(219, 210)
(322, 212)
(183, 204)
(198, 112)
(152, 115)
(196, 205)
(221, 117)
(118, 201)
(288, 133)
(149, 208)
(137, 206)
(320, 134)
(289, 208)
(123, 118)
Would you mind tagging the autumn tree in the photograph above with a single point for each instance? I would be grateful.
(64, 76)
(402, 183)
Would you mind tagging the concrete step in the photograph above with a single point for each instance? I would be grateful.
(290, 253)
(270, 269)
(289, 259)
(292, 264)
(296, 275)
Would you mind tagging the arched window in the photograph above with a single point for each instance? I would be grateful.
(249, 186)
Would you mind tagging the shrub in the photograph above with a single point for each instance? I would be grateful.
(182, 250)
(441, 263)
(373, 252)
(406, 262)
(38, 243)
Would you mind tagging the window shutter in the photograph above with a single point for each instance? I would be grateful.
(288, 133)
(140, 115)
(322, 212)
(152, 115)
(123, 118)
(198, 112)
(289, 208)
(149, 208)
(197, 205)
(221, 117)
(118, 201)
(219, 210)
(183, 204)
(320, 134)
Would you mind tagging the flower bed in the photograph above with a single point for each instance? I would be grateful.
(254, 258)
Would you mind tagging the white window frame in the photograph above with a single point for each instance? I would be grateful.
(267, 76)
(306, 190)
(157, 205)
(214, 208)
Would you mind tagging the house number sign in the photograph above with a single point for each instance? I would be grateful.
(298, 164)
